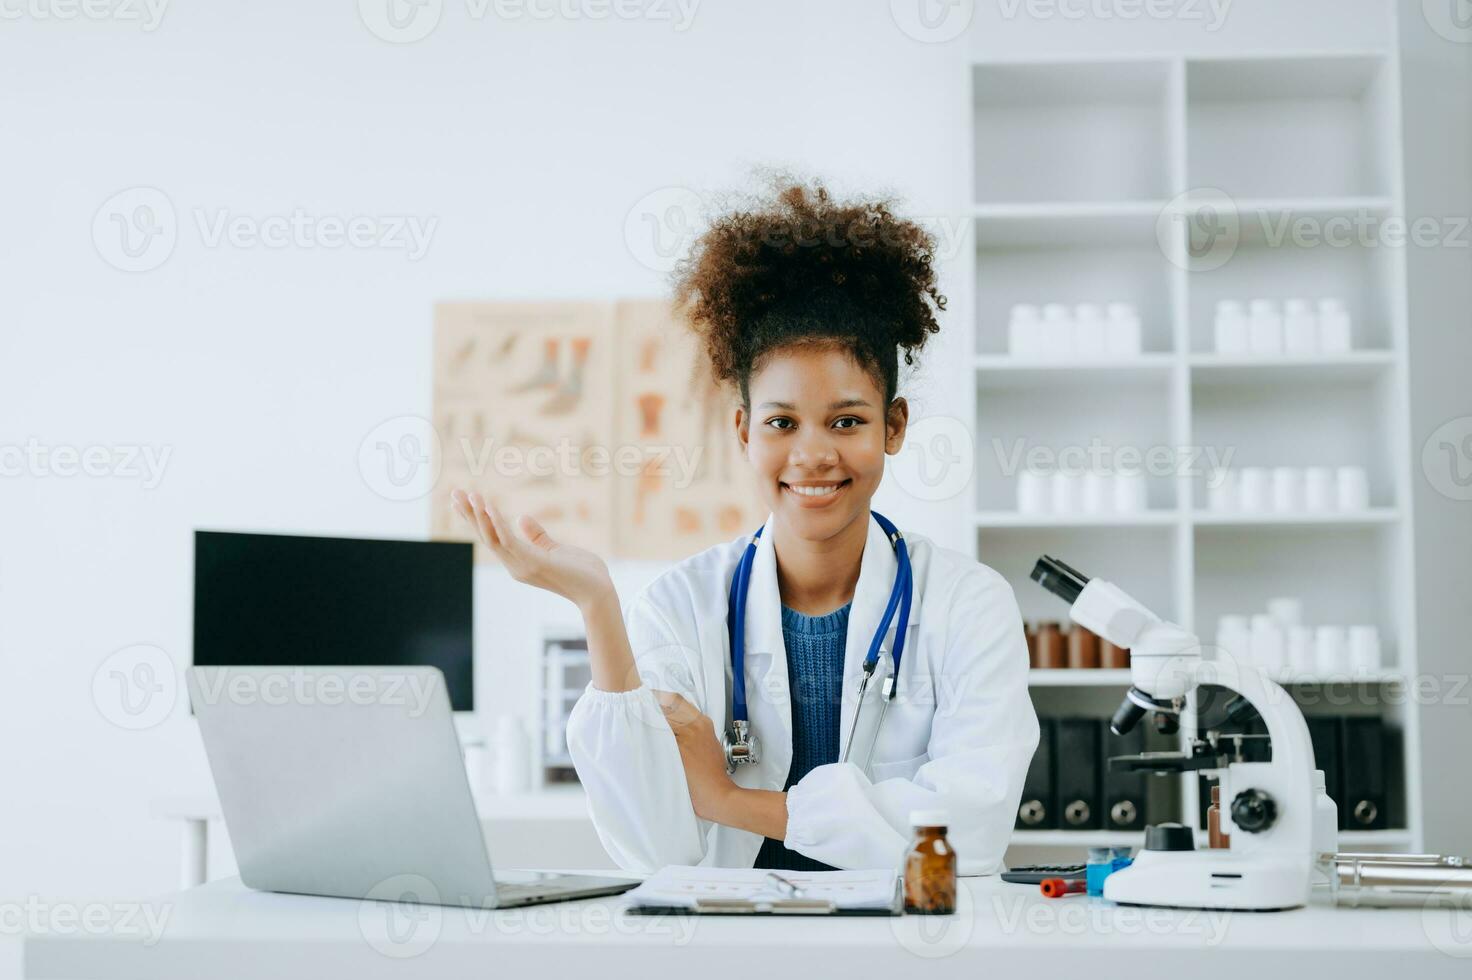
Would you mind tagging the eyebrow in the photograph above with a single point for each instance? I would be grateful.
(845, 403)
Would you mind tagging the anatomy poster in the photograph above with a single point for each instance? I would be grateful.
(599, 419)
(523, 400)
(696, 488)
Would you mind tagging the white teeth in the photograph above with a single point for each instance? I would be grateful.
(814, 491)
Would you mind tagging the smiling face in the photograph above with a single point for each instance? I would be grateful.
(816, 435)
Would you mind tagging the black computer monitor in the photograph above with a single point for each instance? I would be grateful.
(294, 600)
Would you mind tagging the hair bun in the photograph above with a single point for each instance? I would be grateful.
(800, 265)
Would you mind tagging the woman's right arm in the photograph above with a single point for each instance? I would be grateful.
(625, 753)
(623, 749)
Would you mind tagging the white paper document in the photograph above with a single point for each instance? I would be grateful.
(723, 889)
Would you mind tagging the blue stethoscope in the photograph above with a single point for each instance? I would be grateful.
(740, 743)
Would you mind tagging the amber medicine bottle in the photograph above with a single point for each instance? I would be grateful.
(930, 866)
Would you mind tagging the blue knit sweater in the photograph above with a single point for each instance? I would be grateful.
(815, 677)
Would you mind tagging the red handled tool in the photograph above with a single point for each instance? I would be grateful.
(1058, 887)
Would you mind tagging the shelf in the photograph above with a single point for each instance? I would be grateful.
(1038, 224)
(1088, 177)
(1289, 679)
(1087, 131)
(1307, 123)
(1135, 838)
(1284, 77)
(1375, 515)
(1139, 559)
(1102, 677)
(1349, 839)
(1073, 425)
(1310, 205)
(999, 520)
(1066, 677)
(1078, 838)
(997, 371)
(1044, 211)
(1239, 369)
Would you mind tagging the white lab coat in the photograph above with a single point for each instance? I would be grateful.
(958, 736)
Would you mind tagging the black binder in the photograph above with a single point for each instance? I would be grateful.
(1124, 792)
(1323, 732)
(1039, 807)
(1362, 769)
(1079, 802)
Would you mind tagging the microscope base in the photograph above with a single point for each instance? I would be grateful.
(1211, 880)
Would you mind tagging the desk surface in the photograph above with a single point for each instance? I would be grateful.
(225, 930)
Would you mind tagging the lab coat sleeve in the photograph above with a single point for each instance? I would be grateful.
(627, 759)
(981, 742)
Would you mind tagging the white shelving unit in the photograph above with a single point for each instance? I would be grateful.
(1085, 178)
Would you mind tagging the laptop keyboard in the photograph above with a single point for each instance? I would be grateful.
(511, 890)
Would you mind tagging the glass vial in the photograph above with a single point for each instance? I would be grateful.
(930, 866)
(1100, 865)
(1215, 839)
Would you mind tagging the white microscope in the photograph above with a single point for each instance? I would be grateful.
(1269, 862)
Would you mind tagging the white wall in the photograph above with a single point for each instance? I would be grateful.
(261, 370)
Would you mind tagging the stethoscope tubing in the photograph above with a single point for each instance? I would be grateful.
(900, 598)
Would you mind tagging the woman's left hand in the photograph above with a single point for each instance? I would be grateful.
(705, 761)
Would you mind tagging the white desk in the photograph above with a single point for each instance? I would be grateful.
(223, 930)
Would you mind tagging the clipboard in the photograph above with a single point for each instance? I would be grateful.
(764, 898)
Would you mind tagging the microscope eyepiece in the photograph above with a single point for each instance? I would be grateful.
(1055, 576)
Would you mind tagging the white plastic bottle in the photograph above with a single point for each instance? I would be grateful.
(1335, 329)
(1325, 829)
(1058, 330)
(1123, 333)
(1024, 330)
(1300, 327)
(1090, 332)
(1264, 327)
(1229, 330)
(513, 750)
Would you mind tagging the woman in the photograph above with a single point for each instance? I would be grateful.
(802, 304)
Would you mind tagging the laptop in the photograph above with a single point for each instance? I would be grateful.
(349, 782)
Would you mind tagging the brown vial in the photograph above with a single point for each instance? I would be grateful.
(1113, 657)
(1215, 839)
(1048, 644)
(1083, 649)
(930, 866)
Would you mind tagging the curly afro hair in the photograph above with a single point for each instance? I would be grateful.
(800, 267)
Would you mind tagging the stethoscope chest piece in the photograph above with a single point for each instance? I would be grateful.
(742, 747)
